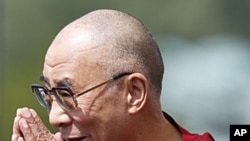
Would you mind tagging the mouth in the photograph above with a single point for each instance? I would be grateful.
(75, 139)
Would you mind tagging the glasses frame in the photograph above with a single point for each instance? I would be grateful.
(35, 89)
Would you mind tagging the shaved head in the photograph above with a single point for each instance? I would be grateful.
(114, 40)
(102, 79)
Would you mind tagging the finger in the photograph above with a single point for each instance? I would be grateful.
(20, 139)
(40, 128)
(27, 124)
(32, 127)
(25, 113)
(14, 137)
(33, 121)
(26, 131)
(36, 128)
(35, 124)
(16, 130)
(38, 121)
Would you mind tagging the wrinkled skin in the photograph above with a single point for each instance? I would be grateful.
(29, 127)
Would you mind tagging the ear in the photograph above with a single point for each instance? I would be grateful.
(137, 92)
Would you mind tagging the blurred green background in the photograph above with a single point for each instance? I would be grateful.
(29, 26)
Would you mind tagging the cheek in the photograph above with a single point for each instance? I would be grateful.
(102, 107)
(86, 113)
(89, 105)
(99, 113)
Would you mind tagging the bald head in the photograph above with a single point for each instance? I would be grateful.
(114, 40)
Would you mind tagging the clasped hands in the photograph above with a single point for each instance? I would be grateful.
(29, 127)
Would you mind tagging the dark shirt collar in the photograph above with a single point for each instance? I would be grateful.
(172, 121)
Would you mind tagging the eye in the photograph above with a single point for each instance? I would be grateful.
(63, 93)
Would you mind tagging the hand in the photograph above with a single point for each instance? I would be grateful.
(29, 127)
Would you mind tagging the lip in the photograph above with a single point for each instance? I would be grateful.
(75, 138)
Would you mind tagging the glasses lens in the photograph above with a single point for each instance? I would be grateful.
(42, 97)
(65, 99)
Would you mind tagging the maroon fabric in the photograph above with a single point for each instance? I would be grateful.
(187, 136)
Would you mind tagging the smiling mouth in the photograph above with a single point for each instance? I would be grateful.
(75, 139)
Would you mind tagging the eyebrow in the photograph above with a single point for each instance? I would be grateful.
(61, 83)
(64, 83)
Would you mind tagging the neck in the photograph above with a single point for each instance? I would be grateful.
(154, 127)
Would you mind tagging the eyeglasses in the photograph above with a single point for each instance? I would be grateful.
(64, 96)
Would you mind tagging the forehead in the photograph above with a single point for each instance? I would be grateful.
(73, 52)
(76, 67)
(67, 45)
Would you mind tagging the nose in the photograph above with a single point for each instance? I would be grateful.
(57, 116)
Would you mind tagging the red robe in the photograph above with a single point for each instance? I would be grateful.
(186, 135)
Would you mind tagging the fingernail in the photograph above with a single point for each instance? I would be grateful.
(20, 139)
(24, 123)
(15, 119)
(26, 113)
(33, 112)
(18, 111)
(14, 137)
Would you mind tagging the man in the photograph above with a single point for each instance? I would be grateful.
(102, 75)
